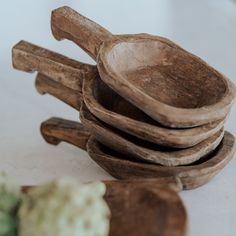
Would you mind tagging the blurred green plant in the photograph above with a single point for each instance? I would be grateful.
(10, 197)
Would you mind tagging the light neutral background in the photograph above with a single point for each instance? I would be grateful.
(204, 27)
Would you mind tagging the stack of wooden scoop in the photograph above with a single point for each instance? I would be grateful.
(149, 109)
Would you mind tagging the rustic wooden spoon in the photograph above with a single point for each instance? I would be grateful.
(168, 83)
(137, 149)
(143, 208)
(192, 176)
(146, 151)
(66, 81)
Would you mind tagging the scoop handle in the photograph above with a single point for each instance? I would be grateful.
(66, 23)
(44, 85)
(70, 73)
(56, 130)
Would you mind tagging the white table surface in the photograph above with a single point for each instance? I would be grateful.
(204, 27)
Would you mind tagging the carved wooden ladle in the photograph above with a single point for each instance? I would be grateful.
(137, 149)
(111, 108)
(128, 144)
(102, 101)
(144, 207)
(168, 83)
(191, 176)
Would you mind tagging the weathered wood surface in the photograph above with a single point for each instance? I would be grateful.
(56, 130)
(123, 115)
(168, 83)
(137, 149)
(70, 73)
(66, 78)
(111, 108)
(161, 156)
(117, 165)
(46, 85)
(191, 176)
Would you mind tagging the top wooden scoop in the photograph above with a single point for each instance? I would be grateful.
(168, 83)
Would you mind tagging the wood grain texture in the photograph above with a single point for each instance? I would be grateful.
(111, 108)
(56, 130)
(191, 176)
(100, 98)
(72, 97)
(117, 165)
(142, 208)
(136, 149)
(168, 83)
(151, 130)
(70, 73)
(114, 110)
(65, 23)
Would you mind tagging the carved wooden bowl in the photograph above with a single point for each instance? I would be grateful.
(168, 83)
(140, 150)
(119, 141)
(191, 176)
(120, 166)
(65, 83)
(111, 108)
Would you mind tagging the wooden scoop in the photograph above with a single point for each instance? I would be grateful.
(111, 108)
(191, 176)
(117, 165)
(168, 83)
(144, 208)
(67, 77)
(136, 149)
